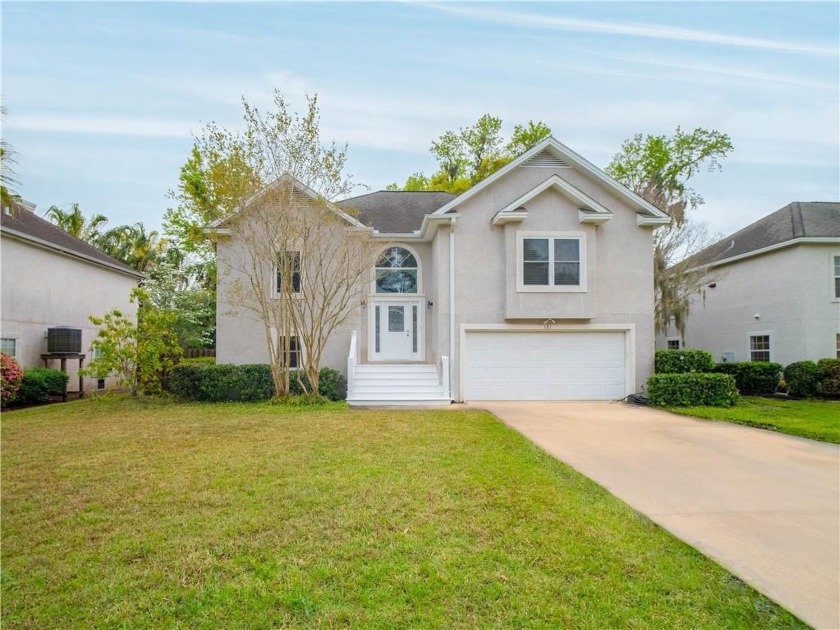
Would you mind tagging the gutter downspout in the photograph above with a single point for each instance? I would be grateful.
(452, 362)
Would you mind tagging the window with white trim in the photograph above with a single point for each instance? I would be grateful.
(397, 271)
(287, 267)
(837, 276)
(673, 344)
(8, 345)
(551, 262)
(294, 351)
(759, 347)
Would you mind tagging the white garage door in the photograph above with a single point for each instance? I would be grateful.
(544, 365)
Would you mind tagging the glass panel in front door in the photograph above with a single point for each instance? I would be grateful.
(396, 318)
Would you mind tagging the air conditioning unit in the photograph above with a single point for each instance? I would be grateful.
(64, 340)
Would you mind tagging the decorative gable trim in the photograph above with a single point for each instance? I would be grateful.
(590, 211)
(567, 155)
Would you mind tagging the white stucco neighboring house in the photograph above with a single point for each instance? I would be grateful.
(534, 284)
(773, 290)
(52, 280)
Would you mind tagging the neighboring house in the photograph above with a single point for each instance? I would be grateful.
(772, 292)
(53, 280)
(536, 283)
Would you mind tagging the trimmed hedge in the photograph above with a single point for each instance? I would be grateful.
(756, 378)
(802, 378)
(829, 385)
(244, 383)
(39, 384)
(692, 389)
(683, 361)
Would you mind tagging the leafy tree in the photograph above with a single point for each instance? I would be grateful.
(133, 245)
(138, 354)
(173, 288)
(286, 234)
(468, 156)
(659, 168)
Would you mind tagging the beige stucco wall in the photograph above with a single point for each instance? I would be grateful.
(792, 292)
(42, 288)
(619, 277)
(620, 274)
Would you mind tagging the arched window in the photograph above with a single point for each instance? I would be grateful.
(396, 271)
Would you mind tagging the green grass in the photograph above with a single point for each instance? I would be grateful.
(815, 419)
(121, 513)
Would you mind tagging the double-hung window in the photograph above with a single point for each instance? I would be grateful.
(8, 345)
(293, 350)
(551, 262)
(288, 270)
(837, 276)
(759, 347)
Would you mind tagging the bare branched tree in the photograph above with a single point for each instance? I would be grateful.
(297, 262)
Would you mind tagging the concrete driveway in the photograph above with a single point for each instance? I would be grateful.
(764, 505)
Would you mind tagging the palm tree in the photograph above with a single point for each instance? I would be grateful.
(73, 222)
(134, 246)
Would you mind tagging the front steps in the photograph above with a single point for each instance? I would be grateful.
(397, 384)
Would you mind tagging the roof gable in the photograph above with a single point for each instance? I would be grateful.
(589, 210)
(283, 180)
(542, 152)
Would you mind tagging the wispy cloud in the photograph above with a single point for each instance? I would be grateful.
(629, 29)
(102, 125)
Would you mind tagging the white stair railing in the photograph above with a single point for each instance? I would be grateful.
(444, 376)
(351, 364)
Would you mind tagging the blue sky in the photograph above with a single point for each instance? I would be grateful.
(102, 98)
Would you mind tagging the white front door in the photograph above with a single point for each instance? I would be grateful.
(396, 330)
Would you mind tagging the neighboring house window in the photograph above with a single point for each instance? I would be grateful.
(759, 347)
(288, 266)
(673, 344)
(100, 383)
(551, 262)
(8, 345)
(837, 276)
(397, 271)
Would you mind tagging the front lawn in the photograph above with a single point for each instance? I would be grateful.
(124, 513)
(816, 419)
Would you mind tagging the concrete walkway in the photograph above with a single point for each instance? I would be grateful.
(764, 505)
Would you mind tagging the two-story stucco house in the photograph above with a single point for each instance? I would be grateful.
(772, 291)
(536, 283)
(54, 281)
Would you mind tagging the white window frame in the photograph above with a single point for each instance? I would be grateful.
(16, 339)
(376, 296)
(833, 269)
(300, 349)
(276, 286)
(770, 341)
(668, 341)
(521, 287)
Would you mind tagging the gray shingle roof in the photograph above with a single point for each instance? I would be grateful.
(800, 219)
(395, 212)
(28, 224)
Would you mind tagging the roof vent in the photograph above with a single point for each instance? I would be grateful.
(546, 159)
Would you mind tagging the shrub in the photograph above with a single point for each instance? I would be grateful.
(802, 378)
(692, 390)
(39, 384)
(235, 383)
(245, 383)
(10, 378)
(198, 361)
(829, 384)
(682, 361)
(753, 377)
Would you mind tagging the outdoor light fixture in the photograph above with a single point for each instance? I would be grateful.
(429, 304)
